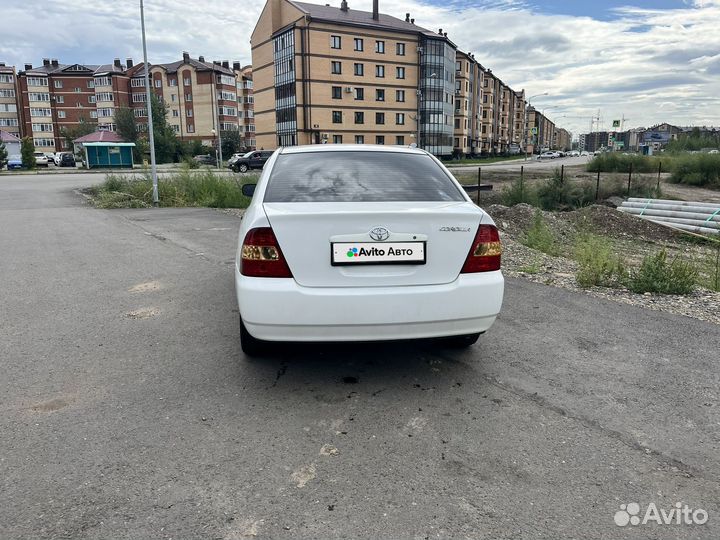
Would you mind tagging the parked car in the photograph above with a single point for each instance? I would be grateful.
(41, 159)
(66, 160)
(411, 256)
(206, 159)
(548, 155)
(14, 162)
(584, 153)
(714, 151)
(252, 160)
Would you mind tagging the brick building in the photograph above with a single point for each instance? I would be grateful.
(9, 119)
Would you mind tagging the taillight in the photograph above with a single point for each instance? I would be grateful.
(485, 252)
(261, 256)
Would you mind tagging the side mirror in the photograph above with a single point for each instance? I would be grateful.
(248, 189)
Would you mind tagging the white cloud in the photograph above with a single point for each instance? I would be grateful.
(650, 65)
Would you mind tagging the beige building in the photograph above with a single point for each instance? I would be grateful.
(246, 104)
(327, 74)
(9, 118)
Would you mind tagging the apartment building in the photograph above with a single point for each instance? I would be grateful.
(246, 104)
(56, 96)
(9, 119)
(326, 74)
(468, 104)
(562, 139)
(541, 131)
(203, 98)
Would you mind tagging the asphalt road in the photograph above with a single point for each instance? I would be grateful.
(531, 164)
(128, 410)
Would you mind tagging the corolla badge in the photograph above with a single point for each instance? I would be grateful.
(379, 234)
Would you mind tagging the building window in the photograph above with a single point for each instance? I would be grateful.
(359, 139)
(4, 78)
(140, 113)
(102, 81)
(37, 81)
(457, 124)
(400, 140)
(105, 112)
(379, 94)
(59, 99)
(190, 128)
(359, 94)
(91, 84)
(135, 83)
(158, 83)
(400, 96)
(400, 119)
(337, 92)
(400, 49)
(380, 139)
(172, 82)
(359, 69)
(379, 117)
(175, 128)
(336, 68)
(173, 98)
(337, 139)
(39, 112)
(337, 117)
(58, 84)
(175, 113)
(400, 72)
(92, 99)
(10, 92)
(138, 98)
(189, 113)
(359, 117)
(61, 114)
(379, 71)
(188, 97)
(335, 42)
(358, 44)
(380, 47)
(42, 127)
(44, 142)
(227, 96)
(104, 96)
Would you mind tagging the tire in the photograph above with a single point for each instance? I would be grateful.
(460, 342)
(243, 167)
(251, 346)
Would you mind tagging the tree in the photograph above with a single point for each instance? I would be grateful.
(27, 149)
(84, 127)
(127, 129)
(3, 154)
(165, 140)
(232, 142)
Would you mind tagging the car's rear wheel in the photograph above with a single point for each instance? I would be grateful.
(243, 168)
(250, 345)
(461, 342)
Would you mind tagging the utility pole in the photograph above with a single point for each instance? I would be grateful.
(151, 136)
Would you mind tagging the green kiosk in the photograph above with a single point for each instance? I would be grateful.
(105, 149)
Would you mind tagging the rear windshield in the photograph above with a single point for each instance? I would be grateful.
(359, 177)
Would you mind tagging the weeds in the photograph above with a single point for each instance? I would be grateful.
(614, 162)
(519, 192)
(697, 170)
(540, 237)
(186, 188)
(599, 266)
(657, 275)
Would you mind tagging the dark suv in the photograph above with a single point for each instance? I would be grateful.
(66, 160)
(252, 160)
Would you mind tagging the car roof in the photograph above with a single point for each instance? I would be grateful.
(350, 148)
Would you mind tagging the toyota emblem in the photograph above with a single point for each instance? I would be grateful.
(379, 234)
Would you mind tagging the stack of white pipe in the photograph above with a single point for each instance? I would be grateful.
(696, 217)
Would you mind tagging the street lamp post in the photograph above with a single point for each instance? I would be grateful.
(527, 108)
(151, 136)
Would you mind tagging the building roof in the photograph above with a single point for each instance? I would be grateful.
(355, 17)
(173, 67)
(6, 137)
(102, 136)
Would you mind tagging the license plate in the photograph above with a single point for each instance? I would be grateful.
(353, 253)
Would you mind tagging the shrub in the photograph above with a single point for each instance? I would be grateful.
(540, 237)
(519, 192)
(615, 162)
(657, 275)
(697, 170)
(598, 265)
(558, 194)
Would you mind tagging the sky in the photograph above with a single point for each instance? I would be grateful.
(647, 61)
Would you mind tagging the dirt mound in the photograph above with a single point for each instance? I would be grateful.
(610, 222)
(516, 220)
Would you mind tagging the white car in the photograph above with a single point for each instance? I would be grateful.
(549, 155)
(364, 243)
(41, 160)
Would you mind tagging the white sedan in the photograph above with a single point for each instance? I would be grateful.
(364, 243)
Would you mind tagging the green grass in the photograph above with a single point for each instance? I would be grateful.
(658, 275)
(540, 237)
(185, 188)
(697, 170)
(616, 162)
(599, 265)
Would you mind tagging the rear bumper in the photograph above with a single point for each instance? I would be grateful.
(281, 310)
